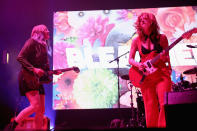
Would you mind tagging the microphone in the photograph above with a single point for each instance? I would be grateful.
(191, 46)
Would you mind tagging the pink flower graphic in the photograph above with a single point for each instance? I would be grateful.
(137, 12)
(65, 87)
(95, 29)
(59, 55)
(61, 23)
(125, 15)
(171, 18)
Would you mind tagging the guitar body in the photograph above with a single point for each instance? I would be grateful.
(136, 76)
(45, 79)
(30, 79)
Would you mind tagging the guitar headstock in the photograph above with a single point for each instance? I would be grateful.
(76, 69)
(189, 33)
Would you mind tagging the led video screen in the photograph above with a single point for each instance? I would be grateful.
(92, 40)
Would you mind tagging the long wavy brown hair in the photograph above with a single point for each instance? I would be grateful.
(154, 36)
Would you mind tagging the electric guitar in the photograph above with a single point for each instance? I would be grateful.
(45, 79)
(137, 77)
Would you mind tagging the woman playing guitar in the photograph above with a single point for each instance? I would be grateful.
(150, 43)
(34, 60)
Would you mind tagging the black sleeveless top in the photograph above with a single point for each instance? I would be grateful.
(157, 48)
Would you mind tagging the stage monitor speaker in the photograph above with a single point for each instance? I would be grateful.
(181, 108)
(29, 124)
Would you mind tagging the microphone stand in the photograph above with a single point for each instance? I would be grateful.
(117, 59)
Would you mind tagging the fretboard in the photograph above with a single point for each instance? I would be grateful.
(166, 49)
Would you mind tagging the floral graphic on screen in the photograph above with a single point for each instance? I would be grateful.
(171, 20)
(61, 23)
(95, 29)
(125, 15)
(90, 39)
(96, 88)
(64, 91)
(59, 55)
(137, 12)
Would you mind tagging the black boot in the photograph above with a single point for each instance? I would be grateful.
(11, 126)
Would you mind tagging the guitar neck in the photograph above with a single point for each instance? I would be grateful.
(63, 70)
(55, 71)
(166, 49)
(173, 44)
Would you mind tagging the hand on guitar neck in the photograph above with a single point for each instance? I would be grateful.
(163, 56)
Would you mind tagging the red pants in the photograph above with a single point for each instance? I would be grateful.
(153, 91)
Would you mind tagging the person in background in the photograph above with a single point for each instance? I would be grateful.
(155, 85)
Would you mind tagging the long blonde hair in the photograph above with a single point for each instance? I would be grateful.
(38, 31)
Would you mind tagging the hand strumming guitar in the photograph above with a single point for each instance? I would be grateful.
(39, 72)
(142, 67)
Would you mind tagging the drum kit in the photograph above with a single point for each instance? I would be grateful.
(137, 106)
(184, 84)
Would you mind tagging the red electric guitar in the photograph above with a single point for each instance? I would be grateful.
(35, 80)
(137, 77)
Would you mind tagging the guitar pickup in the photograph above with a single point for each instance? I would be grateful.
(149, 65)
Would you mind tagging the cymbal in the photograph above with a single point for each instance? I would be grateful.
(191, 46)
(125, 77)
(191, 71)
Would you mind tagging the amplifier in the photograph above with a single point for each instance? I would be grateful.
(29, 124)
(183, 97)
(181, 108)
